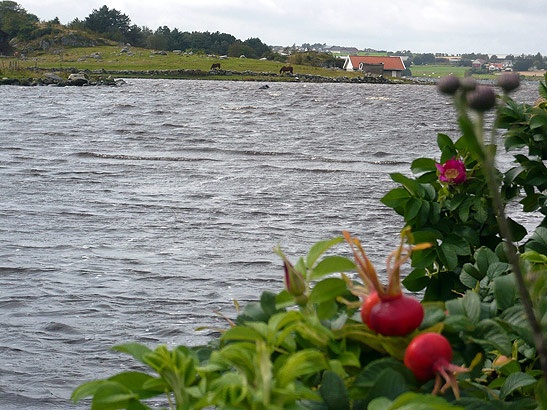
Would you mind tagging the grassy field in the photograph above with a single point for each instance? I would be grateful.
(144, 59)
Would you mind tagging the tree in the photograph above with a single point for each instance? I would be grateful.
(109, 22)
(15, 20)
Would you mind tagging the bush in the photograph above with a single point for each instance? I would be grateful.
(307, 347)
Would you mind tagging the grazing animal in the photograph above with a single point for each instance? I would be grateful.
(215, 66)
(286, 69)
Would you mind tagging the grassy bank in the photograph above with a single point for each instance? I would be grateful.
(110, 58)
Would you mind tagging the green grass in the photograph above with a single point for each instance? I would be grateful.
(436, 71)
(144, 60)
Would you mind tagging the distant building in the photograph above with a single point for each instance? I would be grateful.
(342, 50)
(391, 66)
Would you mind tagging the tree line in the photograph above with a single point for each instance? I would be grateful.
(112, 24)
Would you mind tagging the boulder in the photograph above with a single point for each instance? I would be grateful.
(52, 78)
(78, 79)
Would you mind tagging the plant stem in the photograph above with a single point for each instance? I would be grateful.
(512, 255)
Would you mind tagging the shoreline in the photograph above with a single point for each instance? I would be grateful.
(106, 77)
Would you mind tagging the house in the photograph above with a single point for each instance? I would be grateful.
(477, 63)
(4, 43)
(391, 66)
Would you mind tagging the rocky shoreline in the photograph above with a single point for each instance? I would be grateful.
(75, 77)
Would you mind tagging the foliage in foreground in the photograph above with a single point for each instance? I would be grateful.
(306, 347)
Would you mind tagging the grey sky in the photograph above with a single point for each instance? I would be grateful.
(449, 26)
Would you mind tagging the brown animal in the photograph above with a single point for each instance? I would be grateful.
(286, 69)
(215, 66)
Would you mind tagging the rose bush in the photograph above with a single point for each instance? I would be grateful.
(307, 347)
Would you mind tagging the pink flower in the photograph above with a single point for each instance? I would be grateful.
(453, 171)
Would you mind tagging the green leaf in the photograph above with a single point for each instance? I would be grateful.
(380, 403)
(515, 381)
(435, 213)
(327, 289)
(448, 256)
(141, 383)
(333, 391)
(136, 350)
(86, 390)
(396, 197)
(332, 264)
(497, 269)
(538, 121)
(417, 401)
(241, 333)
(299, 364)
(443, 141)
(484, 257)
(514, 142)
(423, 165)
(472, 271)
(517, 230)
(505, 291)
(412, 208)
(112, 396)
(374, 369)
(538, 241)
(319, 248)
(472, 306)
(389, 383)
(267, 303)
(458, 244)
(424, 259)
(414, 188)
(416, 280)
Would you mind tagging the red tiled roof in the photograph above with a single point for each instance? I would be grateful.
(390, 63)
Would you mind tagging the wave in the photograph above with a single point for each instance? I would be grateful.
(126, 157)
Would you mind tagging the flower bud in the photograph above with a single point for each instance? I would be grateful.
(509, 81)
(468, 84)
(294, 282)
(449, 84)
(482, 98)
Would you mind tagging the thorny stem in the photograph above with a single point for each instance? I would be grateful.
(512, 252)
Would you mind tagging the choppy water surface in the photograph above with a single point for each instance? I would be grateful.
(134, 213)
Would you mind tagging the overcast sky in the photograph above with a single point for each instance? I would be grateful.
(445, 26)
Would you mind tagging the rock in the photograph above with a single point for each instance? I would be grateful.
(242, 56)
(223, 58)
(52, 78)
(124, 50)
(78, 79)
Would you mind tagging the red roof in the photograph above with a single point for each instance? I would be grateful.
(390, 63)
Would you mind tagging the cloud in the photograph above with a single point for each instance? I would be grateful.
(491, 26)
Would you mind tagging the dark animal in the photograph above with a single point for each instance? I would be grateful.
(215, 66)
(286, 69)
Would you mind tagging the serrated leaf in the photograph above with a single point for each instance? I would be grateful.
(137, 350)
(319, 248)
(299, 364)
(86, 390)
(505, 291)
(332, 264)
(416, 280)
(423, 165)
(396, 197)
(333, 391)
(327, 289)
(516, 381)
(472, 306)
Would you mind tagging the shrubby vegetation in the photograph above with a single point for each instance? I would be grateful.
(484, 308)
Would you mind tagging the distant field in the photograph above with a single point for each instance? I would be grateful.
(435, 71)
(144, 59)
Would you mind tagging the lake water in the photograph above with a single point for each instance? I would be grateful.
(134, 213)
